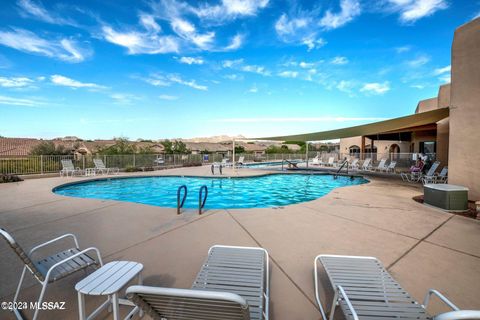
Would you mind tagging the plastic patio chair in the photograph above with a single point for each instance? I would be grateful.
(233, 283)
(365, 290)
(51, 268)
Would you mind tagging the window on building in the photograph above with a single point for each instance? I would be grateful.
(354, 150)
(428, 147)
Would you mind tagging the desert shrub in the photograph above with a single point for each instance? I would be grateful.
(5, 178)
(132, 169)
(192, 164)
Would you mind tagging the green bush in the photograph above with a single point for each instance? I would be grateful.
(191, 164)
(132, 169)
(5, 178)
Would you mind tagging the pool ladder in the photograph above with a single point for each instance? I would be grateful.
(202, 198)
(180, 203)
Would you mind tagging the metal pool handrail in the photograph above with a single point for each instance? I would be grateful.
(201, 203)
(345, 162)
(181, 203)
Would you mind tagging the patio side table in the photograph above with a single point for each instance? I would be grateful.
(90, 172)
(108, 281)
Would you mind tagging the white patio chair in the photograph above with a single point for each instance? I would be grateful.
(51, 268)
(233, 283)
(363, 289)
(69, 168)
(100, 167)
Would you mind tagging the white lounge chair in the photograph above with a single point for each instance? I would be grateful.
(331, 162)
(100, 167)
(315, 161)
(381, 165)
(363, 289)
(241, 161)
(354, 164)
(69, 168)
(366, 165)
(50, 268)
(436, 178)
(233, 283)
(391, 167)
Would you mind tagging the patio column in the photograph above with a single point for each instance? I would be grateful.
(362, 148)
(306, 152)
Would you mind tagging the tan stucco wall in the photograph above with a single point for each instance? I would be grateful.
(464, 151)
(444, 96)
(443, 126)
(427, 105)
(383, 146)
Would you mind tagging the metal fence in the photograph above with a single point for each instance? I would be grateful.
(52, 163)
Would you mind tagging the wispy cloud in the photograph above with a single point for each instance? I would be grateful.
(191, 60)
(256, 69)
(299, 119)
(376, 88)
(21, 102)
(419, 61)
(339, 60)
(187, 31)
(229, 9)
(167, 97)
(233, 76)
(413, 10)
(238, 64)
(124, 98)
(253, 89)
(443, 70)
(299, 28)
(142, 42)
(15, 82)
(23, 40)
(36, 10)
(235, 43)
(346, 86)
(60, 80)
(288, 74)
(403, 49)
(349, 9)
(160, 80)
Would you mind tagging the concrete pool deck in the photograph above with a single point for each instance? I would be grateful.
(422, 247)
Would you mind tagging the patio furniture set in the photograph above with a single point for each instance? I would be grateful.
(69, 169)
(233, 283)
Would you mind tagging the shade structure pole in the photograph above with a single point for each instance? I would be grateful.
(306, 152)
(233, 160)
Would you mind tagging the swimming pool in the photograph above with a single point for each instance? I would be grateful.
(273, 190)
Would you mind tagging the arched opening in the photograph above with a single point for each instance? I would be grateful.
(371, 152)
(394, 151)
(354, 151)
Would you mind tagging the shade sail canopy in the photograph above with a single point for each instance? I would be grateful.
(387, 126)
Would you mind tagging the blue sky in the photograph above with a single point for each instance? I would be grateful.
(171, 68)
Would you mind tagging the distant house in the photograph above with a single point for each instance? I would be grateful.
(11, 147)
(223, 148)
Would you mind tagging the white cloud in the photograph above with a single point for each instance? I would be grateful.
(476, 16)
(231, 63)
(235, 43)
(256, 69)
(15, 82)
(419, 61)
(160, 80)
(443, 70)
(349, 9)
(376, 88)
(229, 9)
(306, 65)
(233, 76)
(300, 29)
(68, 82)
(141, 42)
(446, 78)
(413, 10)
(167, 97)
(418, 86)
(191, 60)
(124, 98)
(149, 23)
(36, 10)
(298, 119)
(288, 74)
(339, 60)
(20, 102)
(403, 49)
(26, 41)
(345, 86)
(192, 83)
(253, 89)
(188, 32)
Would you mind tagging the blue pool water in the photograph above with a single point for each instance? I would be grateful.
(223, 193)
